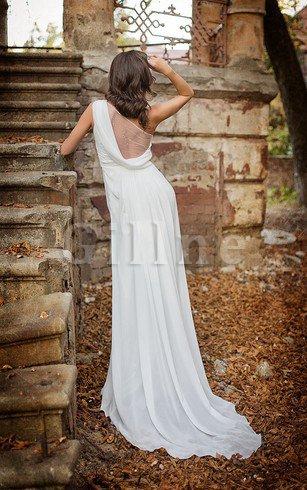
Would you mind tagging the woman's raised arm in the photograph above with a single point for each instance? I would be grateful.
(163, 110)
(82, 127)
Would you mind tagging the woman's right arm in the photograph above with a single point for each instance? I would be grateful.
(77, 134)
(163, 110)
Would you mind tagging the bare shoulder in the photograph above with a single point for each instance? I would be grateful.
(152, 118)
(160, 111)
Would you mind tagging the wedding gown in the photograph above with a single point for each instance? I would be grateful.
(156, 392)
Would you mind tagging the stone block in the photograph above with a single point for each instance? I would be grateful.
(244, 159)
(39, 331)
(36, 187)
(24, 110)
(39, 74)
(240, 249)
(26, 277)
(41, 225)
(41, 58)
(37, 402)
(241, 158)
(27, 468)
(105, 233)
(53, 131)
(229, 83)
(31, 156)
(39, 91)
(88, 175)
(243, 205)
(218, 117)
(91, 214)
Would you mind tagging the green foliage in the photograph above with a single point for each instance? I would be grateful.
(123, 38)
(279, 142)
(286, 5)
(54, 38)
(283, 194)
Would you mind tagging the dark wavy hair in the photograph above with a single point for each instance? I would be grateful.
(130, 80)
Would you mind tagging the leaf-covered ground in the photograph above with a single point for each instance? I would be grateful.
(250, 331)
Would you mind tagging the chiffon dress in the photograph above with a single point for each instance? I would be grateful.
(156, 391)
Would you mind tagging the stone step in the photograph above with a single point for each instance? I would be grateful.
(39, 331)
(44, 225)
(32, 111)
(31, 276)
(40, 58)
(39, 91)
(28, 469)
(34, 74)
(52, 131)
(37, 402)
(37, 187)
(32, 156)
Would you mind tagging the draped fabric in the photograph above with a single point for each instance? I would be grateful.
(156, 392)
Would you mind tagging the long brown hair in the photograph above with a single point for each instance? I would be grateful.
(130, 80)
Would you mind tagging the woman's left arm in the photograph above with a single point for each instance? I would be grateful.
(82, 127)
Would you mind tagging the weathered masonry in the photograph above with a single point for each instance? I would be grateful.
(213, 151)
(39, 280)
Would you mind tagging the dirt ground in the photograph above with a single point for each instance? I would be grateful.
(250, 331)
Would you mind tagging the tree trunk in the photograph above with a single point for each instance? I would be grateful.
(292, 88)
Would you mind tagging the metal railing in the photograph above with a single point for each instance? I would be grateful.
(195, 36)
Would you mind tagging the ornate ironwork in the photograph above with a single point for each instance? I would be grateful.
(203, 37)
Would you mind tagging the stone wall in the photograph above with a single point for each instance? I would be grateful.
(213, 151)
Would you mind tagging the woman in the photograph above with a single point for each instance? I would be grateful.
(156, 391)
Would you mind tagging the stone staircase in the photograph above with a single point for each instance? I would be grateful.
(38, 93)
(38, 278)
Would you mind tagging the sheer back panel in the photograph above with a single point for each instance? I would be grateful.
(132, 141)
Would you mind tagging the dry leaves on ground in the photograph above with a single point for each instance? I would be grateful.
(23, 249)
(250, 331)
(11, 138)
(12, 443)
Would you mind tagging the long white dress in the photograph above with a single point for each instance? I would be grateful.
(156, 392)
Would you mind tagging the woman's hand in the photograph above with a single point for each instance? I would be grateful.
(159, 64)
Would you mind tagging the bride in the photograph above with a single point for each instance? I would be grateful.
(156, 391)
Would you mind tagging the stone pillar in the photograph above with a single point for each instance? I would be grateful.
(208, 40)
(245, 32)
(88, 26)
(89, 29)
(3, 22)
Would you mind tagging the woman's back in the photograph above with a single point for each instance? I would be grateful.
(132, 140)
